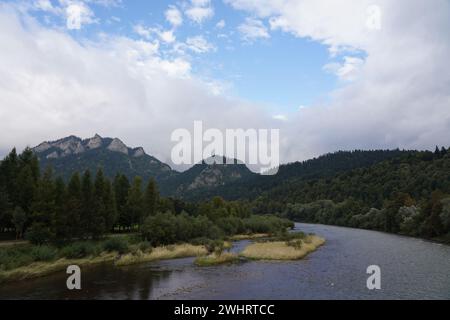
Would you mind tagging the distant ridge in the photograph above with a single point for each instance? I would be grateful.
(72, 153)
(211, 177)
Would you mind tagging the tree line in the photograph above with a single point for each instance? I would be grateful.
(409, 194)
(43, 208)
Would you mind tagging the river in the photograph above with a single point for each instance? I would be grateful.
(410, 269)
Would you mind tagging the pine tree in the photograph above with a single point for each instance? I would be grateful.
(437, 152)
(98, 214)
(61, 220)
(87, 205)
(135, 203)
(151, 198)
(28, 158)
(5, 211)
(121, 191)
(26, 190)
(110, 212)
(73, 208)
(19, 218)
(9, 170)
(43, 206)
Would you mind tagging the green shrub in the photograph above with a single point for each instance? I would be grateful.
(116, 244)
(266, 224)
(215, 246)
(79, 250)
(286, 236)
(44, 253)
(15, 257)
(133, 238)
(145, 246)
(296, 244)
(203, 241)
(38, 234)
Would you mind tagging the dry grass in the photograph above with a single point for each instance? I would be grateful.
(227, 245)
(249, 236)
(40, 269)
(281, 250)
(162, 253)
(214, 259)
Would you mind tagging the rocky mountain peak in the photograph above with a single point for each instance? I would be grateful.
(44, 146)
(73, 145)
(95, 142)
(118, 146)
(138, 152)
(73, 154)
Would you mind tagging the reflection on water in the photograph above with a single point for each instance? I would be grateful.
(411, 268)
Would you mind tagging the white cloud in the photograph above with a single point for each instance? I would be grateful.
(398, 96)
(280, 117)
(199, 11)
(75, 13)
(53, 86)
(142, 31)
(221, 24)
(176, 68)
(199, 44)
(44, 5)
(78, 14)
(349, 70)
(253, 29)
(174, 16)
(167, 36)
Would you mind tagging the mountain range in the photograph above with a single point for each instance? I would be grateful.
(397, 191)
(203, 180)
(74, 154)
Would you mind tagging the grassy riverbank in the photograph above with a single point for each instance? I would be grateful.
(216, 259)
(283, 250)
(41, 269)
(249, 236)
(161, 253)
(26, 261)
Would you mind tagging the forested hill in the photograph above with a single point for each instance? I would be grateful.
(202, 181)
(409, 194)
(324, 166)
(396, 191)
(205, 177)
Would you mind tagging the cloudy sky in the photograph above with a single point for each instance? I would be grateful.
(330, 74)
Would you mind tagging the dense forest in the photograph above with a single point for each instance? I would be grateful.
(408, 194)
(41, 208)
(329, 165)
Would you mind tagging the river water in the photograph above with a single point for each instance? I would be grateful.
(410, 269)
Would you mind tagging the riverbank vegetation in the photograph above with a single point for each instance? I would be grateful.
(254, 236)
(31, 261)
(215, 259)
(294, 249)
(161, 253)
(92, 218)
(45, 210)
(408, 194)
